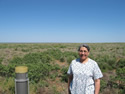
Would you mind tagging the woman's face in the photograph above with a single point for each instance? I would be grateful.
(83, 53)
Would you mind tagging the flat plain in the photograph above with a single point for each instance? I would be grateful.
(49, 62)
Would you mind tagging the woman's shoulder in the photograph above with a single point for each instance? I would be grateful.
(92, 61)
(75, 61)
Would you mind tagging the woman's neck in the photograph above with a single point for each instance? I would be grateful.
(84, 61)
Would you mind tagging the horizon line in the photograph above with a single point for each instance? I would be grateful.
(56, 42)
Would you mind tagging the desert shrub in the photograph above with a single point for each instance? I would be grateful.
(92, 56)
(62, 56)
(69, 56)
(55, 53)
(54, 71)
(121, 91)
(121, 74)
(62, 59)
(34, 58)
(121, 63)
(42, 71)
(118, 81)
(62, 46)
(112, 62)
(7, 71)
(55, 67)
(53, 75)
(25, 50)
(38, 65)
(11, 70)
(69, 59)
(54, 90)
(38, 71)
(1, 59)
(103, 85)
(3, 70)
(104, 67)
(43, 83)
(16, 60)
(64, 74)
(8, 86)
(103, 58)
(3, 46)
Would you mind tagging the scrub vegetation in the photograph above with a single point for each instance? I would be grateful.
(48, 64)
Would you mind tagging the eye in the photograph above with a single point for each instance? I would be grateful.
(85, 51)
(81, 51)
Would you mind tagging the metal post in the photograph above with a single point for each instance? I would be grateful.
(21, 81)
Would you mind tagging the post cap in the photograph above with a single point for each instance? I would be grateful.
(21, 69)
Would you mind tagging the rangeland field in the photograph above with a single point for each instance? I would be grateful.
(48, 64)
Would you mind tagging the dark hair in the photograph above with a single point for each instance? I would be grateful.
(84, 45)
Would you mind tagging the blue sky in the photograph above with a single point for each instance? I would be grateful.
(67, 21)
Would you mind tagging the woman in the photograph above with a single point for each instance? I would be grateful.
(84, 74)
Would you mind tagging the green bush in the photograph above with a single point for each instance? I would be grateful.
(103, 85)
(62, 59)
(43, 83)
(7, 71)
(121, 63)
(121, 91)
(1, 59)
(121, 74)
(69, 59)
(16, 60)
(35, 58)
(38, 71)
(64, 74)
(69, 56)
(25, 50)
(38, 65)
(104, 67)
(112, 63)
(54, 53)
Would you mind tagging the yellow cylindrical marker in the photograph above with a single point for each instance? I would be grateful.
(21, 69)
(21, 81)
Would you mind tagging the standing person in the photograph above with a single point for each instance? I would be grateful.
(84, 74)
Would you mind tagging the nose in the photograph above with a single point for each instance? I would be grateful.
(83, 52)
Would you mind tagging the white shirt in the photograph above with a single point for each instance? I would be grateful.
(83, 76)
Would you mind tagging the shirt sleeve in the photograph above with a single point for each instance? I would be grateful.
(97, 72)
(69, 72)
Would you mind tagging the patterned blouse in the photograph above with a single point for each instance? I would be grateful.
(84, 76)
